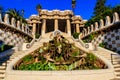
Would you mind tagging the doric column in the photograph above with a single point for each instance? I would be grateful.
(68, 27)
(34, 29)
(77, 28)
(43, 27)
(56, 24)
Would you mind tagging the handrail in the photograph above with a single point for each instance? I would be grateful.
(112, 57)
(82, 43)
(74, 39)
(100, 29)
(32, 42)
(108, 23)
(29, 45)
(15, 28)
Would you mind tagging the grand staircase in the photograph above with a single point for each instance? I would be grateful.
(116, 64)
(5, 61)
(115, 60)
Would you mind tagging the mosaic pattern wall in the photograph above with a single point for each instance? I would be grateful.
(112, 38)
(8, 37)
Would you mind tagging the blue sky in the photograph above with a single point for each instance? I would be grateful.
(84, 8)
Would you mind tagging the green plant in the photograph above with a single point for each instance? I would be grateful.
(37, 36)
(37, 66)
(90, 37)
(28, 40)
(76, 35)
(28, 58)
(5, 47)
(103, 45)
(91, 57)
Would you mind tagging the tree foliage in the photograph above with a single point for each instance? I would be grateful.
(101, 11)
(17, 14)
(116, 9)
(38, 6)
(100, 7)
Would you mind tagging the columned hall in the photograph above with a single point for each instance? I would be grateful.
(49, 21)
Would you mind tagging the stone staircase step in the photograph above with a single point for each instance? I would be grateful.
(2, 76)
(2, 71)
(118, 74)
(8, 61)
(2, 67)
(117, 70)
(3, 64)
(116, 79)
(116, 58)
(117, 66)
(116, 62)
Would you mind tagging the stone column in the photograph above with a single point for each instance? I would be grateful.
(68, 27)
(77, 28)
(56, 24)
(43, 27)
(34, 29)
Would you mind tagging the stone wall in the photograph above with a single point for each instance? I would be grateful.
(108, 31)
(11, 38)
(112, 38)
(13, 32)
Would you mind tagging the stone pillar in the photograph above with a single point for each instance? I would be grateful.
(34, 29)
(43, 27)
(0, 17)
(6, 19)
(56, 24)
(68, 27)
(77, 28)
(18, 24)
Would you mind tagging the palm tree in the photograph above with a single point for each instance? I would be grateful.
(2, 11)
(73, 4)
(14, 13)
(1, 8)
(17, 14)
(39, 7)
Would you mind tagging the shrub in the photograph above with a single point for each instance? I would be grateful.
(76, 35)
(103, 45)
(5, 47)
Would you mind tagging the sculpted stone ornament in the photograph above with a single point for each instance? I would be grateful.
(60, 48)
